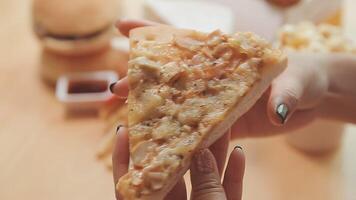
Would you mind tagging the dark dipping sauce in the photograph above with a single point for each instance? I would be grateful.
(87, 86)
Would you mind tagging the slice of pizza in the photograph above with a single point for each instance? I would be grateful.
(186, 89)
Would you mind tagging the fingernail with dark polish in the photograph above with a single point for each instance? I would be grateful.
(282, 112)
(111, 87)
(118, 128)
(238, 147)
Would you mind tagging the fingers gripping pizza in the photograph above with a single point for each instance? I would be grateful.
(186, 89)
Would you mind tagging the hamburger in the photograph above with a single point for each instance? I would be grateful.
(55, 65)
(75, 27)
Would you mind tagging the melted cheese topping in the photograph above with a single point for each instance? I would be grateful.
(179, 91)
(322, 38)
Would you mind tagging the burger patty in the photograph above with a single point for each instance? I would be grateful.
(43, 33)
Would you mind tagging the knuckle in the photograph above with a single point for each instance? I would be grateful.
(291, 96)
(208, 188)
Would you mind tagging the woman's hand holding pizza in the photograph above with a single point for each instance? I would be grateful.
(205, 171)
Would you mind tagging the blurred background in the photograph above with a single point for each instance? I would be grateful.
(58, 117)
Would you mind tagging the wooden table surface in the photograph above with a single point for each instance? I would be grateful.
(46, 156)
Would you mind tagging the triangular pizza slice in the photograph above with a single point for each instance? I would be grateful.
(186, 89)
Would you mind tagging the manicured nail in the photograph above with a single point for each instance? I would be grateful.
(282, 112)
(203, 161)
(118, 128)
(111, 87)
(238, 148)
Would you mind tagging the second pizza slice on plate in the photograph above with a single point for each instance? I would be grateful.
(186, 89)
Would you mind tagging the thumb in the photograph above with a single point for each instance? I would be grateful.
(286, 93)
(302, 85)
(206, 183)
